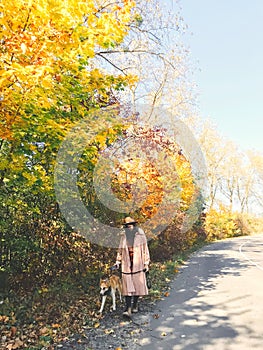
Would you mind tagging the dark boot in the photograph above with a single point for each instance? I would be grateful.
(135, 304)
(127, 311)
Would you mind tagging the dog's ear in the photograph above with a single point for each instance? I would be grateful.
(104, 279)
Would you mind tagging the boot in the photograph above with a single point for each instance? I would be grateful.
(135, 304)
(127, 311)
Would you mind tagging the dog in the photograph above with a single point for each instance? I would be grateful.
(108, 286)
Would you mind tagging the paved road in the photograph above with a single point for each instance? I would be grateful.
(216, 301)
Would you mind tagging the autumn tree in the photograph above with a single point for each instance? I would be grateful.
(153, 51)
(234, 182)
(59, 62)
(249, 183)
(47, 84)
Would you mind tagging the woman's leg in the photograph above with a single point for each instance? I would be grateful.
(128, 300)
(135, 303)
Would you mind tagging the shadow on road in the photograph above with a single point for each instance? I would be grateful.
(197, 314)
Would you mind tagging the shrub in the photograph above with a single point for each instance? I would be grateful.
(222, 223)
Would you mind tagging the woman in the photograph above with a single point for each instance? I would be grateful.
(133, 255)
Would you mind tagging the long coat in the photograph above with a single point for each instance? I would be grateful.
(134, 283)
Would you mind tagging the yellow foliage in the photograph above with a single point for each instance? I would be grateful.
(41, 33)
(132, 176)
(140, 180)
(221, 224)
(44, 39)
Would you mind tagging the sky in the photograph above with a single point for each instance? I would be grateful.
(227, 45)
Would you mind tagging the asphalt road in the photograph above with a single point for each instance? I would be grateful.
(215, 303)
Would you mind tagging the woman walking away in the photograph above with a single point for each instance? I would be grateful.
(133, 255)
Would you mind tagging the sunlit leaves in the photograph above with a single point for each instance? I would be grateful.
(141, 181)
(44, 43)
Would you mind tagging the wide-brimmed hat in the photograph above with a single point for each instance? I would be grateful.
(129, 221)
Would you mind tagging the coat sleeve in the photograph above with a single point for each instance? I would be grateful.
(146, 254)
(119, 252)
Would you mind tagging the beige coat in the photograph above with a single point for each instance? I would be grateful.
(134, 284)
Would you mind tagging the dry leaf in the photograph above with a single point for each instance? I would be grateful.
(16, 345)
(43, 331)
(56, 325)
(4, 318)
(13, 331)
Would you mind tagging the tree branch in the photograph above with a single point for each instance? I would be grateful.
(160, 55)
(110, 62)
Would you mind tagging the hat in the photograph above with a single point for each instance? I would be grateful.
(129, 221)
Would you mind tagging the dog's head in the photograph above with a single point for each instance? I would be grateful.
(104, 285)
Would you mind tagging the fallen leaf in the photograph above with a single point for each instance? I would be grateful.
(166, 294)
(16, 345)
(96, 325)
(163, 267)
(4, 318)
(13, 331)
(43, 331)
(56, 325)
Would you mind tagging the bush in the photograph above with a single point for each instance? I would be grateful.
(223, 223)
(174, 240)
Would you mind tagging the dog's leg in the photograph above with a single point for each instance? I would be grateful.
(102, 303)
(119, 290)
(113, 299)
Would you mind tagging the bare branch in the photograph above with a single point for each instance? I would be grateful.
(161, 55)
(111, 63)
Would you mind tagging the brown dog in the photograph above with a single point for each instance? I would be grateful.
(108, 286)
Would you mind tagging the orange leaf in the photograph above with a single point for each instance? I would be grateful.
(56, 325)
(13, 331)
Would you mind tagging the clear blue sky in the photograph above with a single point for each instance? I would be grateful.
(227, 42)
